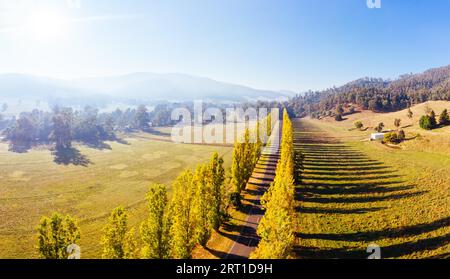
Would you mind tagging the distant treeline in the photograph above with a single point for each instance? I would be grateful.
(374, 94)
(61, 126)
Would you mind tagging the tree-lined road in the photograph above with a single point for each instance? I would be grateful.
(262, 176)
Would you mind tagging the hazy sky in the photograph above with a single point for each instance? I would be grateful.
(278, 44)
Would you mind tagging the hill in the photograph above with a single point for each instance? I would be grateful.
(377, 95)
(420, 140)
(148, 88)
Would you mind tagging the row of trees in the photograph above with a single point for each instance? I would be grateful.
(246, 153)
(278, 225)
(61, 126)
(171, 229)
(245, 157)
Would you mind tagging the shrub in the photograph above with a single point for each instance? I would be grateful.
(425, 123)
(444, 118)
(391, 137)
(433, 119)
(358, 125)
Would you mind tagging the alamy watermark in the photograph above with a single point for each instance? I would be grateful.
(74, 252)
(374, 4)
(213, 125)
(374, 251)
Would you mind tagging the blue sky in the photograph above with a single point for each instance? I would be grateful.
(279, 44)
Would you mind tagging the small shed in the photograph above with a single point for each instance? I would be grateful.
(377, 136)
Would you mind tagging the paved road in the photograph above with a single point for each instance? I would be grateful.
(258, 184)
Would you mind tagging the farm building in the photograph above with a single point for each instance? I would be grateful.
(377, 136)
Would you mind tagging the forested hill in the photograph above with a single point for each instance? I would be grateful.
(375, 94)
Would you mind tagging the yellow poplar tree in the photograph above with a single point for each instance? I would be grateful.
(55, 234)
(218, 178)
(117, 241)
(183, 226)
(203, 204)
(277, 227)
(154, 231)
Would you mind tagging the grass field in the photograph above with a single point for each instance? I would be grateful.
(355, 192)
(32, 185)
(435, 141)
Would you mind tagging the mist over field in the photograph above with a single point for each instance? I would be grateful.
(25, 92)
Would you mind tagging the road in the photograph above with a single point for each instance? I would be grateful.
(263, 175)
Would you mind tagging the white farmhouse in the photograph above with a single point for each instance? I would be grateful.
(377, 136)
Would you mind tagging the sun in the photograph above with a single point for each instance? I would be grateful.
(45, 25)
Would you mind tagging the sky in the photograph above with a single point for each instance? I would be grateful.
(292, 45)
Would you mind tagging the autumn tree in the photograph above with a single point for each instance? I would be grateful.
(245, 156)
(269, 124)
(55, 235)
(117, 241)
(203, 204)
(183, 229)
(154, 230)
(277, 226)
(217, 172)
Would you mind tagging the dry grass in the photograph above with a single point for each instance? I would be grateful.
(355, 193)
(32, 185)
(437, 140)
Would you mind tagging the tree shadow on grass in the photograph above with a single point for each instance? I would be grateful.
(355, 190)
(351, 177)
(102, 145)
(354, 180)
(99, 145)
(364, 199)
(156, 132)
(338, 168)
(391, 251)
(321, 210)
(400, 232)
(70, 156)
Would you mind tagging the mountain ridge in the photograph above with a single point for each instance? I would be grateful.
(148, 87)
(375, 94)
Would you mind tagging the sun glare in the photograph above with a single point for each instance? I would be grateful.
(45, 25)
